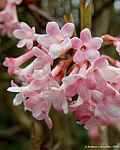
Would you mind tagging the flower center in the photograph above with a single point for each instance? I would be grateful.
(83, 48)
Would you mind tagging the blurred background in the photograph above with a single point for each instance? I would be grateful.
(15, 124)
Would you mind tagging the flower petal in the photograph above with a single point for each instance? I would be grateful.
(53, 29)
(19, 34)
(117, 44)
(18, 99)
(21, 43)
(76, 43)
(91, 54)
(43, 57)
(85, 35)
(55, 51)
(14, 89)
(29, 44)
(79, 57)
(68, 29)
(46, 40)
(95, 43)
(100, 62)
(25, 26)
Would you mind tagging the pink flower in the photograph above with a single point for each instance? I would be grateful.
(24, 74)
(76, 84)
(26, 35)
(87, 47)
(57, 98)
(110, 73)
(42, 57)
(40, 104)
(40, 94)
(40, 108)
(14, 63)
(8, 28)
(84, 83)
(56, 40)
(102, 106)
(40, 79)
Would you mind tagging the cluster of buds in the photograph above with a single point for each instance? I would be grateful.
(66, 73)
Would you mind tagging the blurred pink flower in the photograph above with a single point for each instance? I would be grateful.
(8, 20)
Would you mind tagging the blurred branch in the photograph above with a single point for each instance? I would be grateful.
(86, 13)
(40, 12)
(8, 133)
(100, 10)
(104, 135)
(36, 135)
(68, 17)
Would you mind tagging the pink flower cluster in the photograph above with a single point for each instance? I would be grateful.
(67, 73)
(8, 18)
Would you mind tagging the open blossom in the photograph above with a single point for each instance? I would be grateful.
(87, 47)
(56, 40)
(26, 35)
